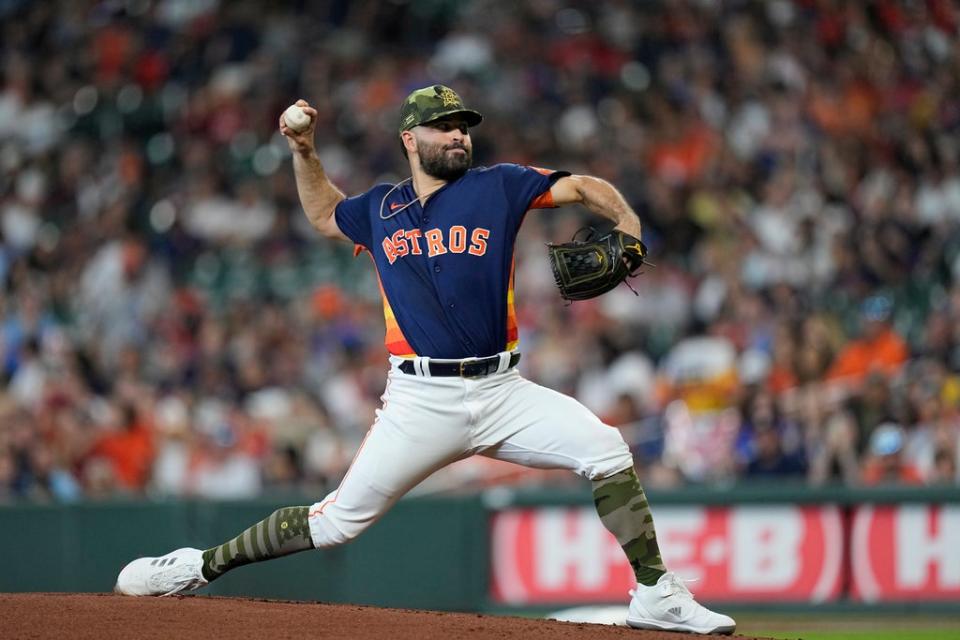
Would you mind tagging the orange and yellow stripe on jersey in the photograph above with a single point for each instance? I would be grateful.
(394, 339)
(513, 334)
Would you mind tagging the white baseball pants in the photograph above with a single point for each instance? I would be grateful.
(426, 423)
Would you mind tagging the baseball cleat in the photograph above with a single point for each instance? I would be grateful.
(178, 571)
(669, 606)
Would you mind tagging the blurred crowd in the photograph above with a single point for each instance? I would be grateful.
(171, 326)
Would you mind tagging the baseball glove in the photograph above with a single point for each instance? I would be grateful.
(585, 269)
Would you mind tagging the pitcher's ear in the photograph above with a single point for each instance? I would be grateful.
(408, 140)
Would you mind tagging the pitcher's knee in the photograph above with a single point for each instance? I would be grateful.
(328, 527)
(612, 456)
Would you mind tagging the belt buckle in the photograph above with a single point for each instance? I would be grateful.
(463, 363)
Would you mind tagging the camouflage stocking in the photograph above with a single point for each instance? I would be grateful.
(623, 509)
(284, 532)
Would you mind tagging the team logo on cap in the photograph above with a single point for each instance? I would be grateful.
(448, 97)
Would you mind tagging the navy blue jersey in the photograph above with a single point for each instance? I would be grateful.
(446, 269)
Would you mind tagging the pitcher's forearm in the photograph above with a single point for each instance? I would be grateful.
(318, 195)
(602, 198)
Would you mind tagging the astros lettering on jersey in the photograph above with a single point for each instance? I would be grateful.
(446, 268)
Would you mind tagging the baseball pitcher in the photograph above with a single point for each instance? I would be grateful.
(442, 243)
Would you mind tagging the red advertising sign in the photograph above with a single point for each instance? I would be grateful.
(905, 552)
(750, 553)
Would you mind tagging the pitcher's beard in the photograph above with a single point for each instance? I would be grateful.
(436, 162)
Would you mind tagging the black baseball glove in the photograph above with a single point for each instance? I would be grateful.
(585, 269)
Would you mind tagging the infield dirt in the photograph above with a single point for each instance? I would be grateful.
(37, 616)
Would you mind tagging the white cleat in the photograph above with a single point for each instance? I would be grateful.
(167, 575)
(669, 606)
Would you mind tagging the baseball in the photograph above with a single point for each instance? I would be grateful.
(296, 118)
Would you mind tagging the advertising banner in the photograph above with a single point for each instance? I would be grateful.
(746, 553)
(905, 552)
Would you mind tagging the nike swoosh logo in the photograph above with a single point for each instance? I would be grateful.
(394, 206)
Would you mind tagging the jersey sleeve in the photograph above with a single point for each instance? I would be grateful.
(353, 218)
(529, 187)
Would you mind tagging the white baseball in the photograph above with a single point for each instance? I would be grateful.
(296, 118)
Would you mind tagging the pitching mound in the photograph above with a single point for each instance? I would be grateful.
(106, 616)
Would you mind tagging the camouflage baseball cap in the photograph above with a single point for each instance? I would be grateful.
(431, 103)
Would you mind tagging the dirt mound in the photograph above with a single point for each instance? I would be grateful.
(107, 616)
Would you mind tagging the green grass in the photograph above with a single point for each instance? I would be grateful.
(864, 634)
(850, 627)
(899, 622)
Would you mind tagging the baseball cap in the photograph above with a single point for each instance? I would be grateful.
(431, 103)
(876, 308)
(886, 439)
